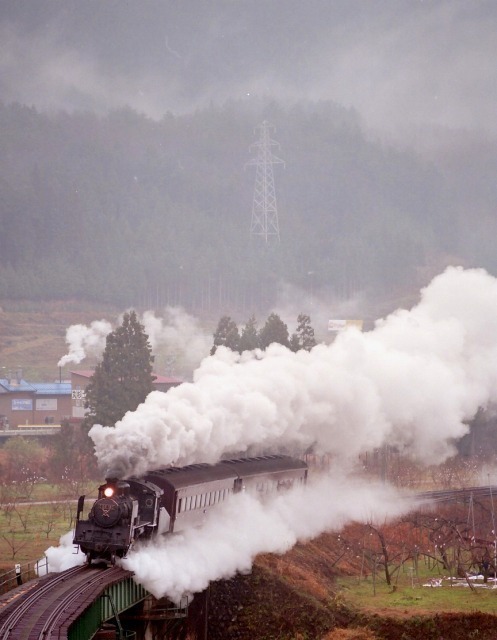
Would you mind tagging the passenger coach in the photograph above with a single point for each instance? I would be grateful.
(173, 499)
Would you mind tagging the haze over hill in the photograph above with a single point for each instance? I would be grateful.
(126, 130)
(397, 62)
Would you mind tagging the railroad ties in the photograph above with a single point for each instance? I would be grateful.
(55, 602)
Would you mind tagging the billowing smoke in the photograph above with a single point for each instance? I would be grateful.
(413, 382)
(85, 341)
(62, 557)
(178, 333)
(242, 528)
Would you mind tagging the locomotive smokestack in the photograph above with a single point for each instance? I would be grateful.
(113, 475)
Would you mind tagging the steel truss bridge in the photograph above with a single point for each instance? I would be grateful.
(88, 602)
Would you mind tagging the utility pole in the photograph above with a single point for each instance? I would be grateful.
(264, 211)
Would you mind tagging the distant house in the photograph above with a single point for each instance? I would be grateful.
(49, 403)
(27, 403)
(164, 383)
(80, 380)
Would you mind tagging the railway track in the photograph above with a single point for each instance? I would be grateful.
(458, 494)
(47, 611)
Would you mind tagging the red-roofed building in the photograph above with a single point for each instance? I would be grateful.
(80, 380)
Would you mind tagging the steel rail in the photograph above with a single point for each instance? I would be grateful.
(54, 622)
(20, 615)
(28, 601)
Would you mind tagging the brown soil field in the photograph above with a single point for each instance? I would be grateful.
(32, 335)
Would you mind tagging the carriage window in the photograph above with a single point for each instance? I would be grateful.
(180, 504)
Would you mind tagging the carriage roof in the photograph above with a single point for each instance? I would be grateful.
(196, 474)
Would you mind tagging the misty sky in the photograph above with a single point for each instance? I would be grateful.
(398, 62)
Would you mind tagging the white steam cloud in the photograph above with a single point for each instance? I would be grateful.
(60, 558)
(413, 382)
(242, 528)
(85, 341)
(178, 332)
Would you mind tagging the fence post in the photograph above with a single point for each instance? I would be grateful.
(18, 573)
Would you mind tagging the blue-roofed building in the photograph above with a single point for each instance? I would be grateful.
(33, 403)
(25, 403)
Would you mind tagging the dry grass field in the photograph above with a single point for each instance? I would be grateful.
(32, 335)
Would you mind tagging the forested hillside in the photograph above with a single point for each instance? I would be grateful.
(128, 210)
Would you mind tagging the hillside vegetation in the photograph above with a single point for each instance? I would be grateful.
(126, 210)
(315, 593)
(299, 595)
(32, 335)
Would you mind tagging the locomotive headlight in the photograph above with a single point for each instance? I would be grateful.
(108, 492)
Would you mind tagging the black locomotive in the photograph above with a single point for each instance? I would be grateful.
(174, 498)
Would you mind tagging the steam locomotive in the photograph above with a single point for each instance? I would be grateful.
(172, 499)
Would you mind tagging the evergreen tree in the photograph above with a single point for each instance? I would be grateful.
(123, 379)
(226, 335)
(275, 330)
(295, 343)
(249, 339)
(303, 338)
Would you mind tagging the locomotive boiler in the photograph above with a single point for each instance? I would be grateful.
(171, 499)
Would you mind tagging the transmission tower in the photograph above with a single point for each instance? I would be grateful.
(264, 211)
